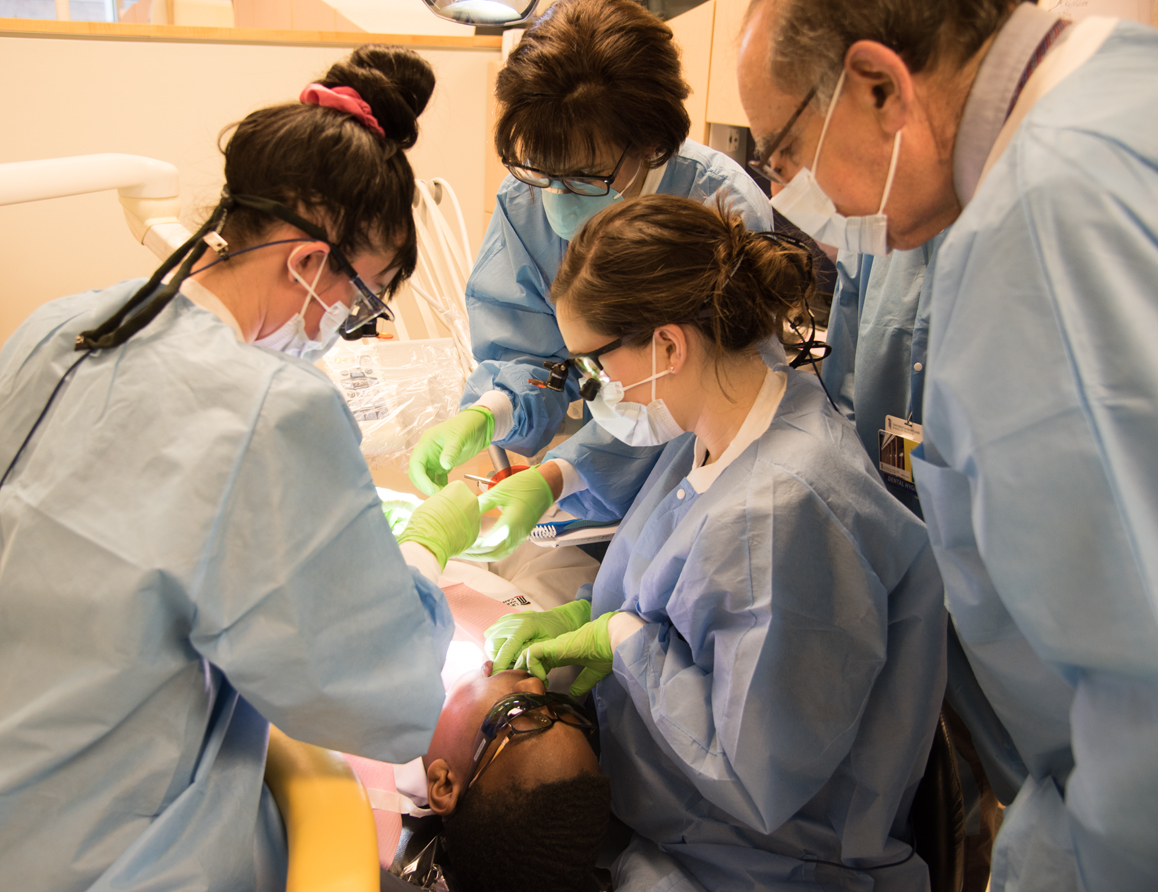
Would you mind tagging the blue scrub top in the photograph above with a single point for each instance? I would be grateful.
(512, 321)
(777, 710)
(190, 547)
(1040, 483)
(878, 330)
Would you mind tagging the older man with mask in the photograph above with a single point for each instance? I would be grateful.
(1037, 479)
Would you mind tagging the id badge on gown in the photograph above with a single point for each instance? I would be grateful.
(897, 442)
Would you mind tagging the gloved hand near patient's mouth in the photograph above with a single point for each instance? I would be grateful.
(445, 524)
(524, 498)
(506, 639)
(448, 445)
(588, 646)
(398, 508)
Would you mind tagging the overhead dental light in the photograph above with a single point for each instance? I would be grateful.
(488, 13)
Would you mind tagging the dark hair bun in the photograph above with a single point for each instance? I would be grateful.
(397, 83)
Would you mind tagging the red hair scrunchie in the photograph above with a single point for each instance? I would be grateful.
(344, 99)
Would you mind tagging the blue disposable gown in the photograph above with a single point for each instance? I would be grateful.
(190, 547)
(512, 321)
(1040, 484)
(878, 329)
(780, 703)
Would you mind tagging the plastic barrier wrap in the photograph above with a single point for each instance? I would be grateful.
(396, 390)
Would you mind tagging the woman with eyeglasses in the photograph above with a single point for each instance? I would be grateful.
(765, 638)
(590, 113)
(191, 546)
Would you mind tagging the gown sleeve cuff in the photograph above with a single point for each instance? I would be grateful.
(500, 406)
(421, 560)
(622, 626)
(572, 482)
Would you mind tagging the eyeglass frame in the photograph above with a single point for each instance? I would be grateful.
(376, 307)
(553, 178)
(596, 375)
(497, 721)
(760, 165)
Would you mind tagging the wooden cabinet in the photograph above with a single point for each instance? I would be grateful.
(709, 38)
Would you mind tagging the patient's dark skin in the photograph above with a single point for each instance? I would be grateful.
(559, 753)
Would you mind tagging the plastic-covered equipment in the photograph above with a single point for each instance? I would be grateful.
(399, 388)
(396, 390)
(333, 842)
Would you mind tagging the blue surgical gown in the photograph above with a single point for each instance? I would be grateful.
(777, 709)
(512, 320)
(1040, 483)
(190, 547)
(878, 330)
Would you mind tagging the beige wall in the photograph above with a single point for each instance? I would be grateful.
(168, 101)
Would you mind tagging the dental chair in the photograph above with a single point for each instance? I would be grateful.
(333, 845)
(937, 815)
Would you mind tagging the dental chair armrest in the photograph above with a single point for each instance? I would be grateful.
(333, 844)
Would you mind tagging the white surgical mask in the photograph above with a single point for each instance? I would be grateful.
(291, 337)
(804, 203)
(634, 423)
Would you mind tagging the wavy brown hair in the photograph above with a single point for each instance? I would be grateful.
(587, 75)
(660, 260)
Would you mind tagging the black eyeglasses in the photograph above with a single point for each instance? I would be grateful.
(760, 165)
(522, 714)
(580, 183)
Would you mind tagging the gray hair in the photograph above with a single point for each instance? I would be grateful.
(811, 37)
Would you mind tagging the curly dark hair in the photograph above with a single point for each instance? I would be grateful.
(517, 840)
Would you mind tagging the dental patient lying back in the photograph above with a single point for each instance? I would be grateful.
(512, 773)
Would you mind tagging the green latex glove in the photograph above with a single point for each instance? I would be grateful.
(524, 498)
(507, 638)
(398, 506)
(446, 523)
(448, 445)
(588, 646)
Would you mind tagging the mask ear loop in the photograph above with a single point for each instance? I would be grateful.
(892, 171)
(653, 374)
(827, 120)
(311, 290)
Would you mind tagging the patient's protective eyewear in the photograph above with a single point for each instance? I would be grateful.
(522, 714)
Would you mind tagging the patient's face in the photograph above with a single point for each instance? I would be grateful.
(558, 753)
